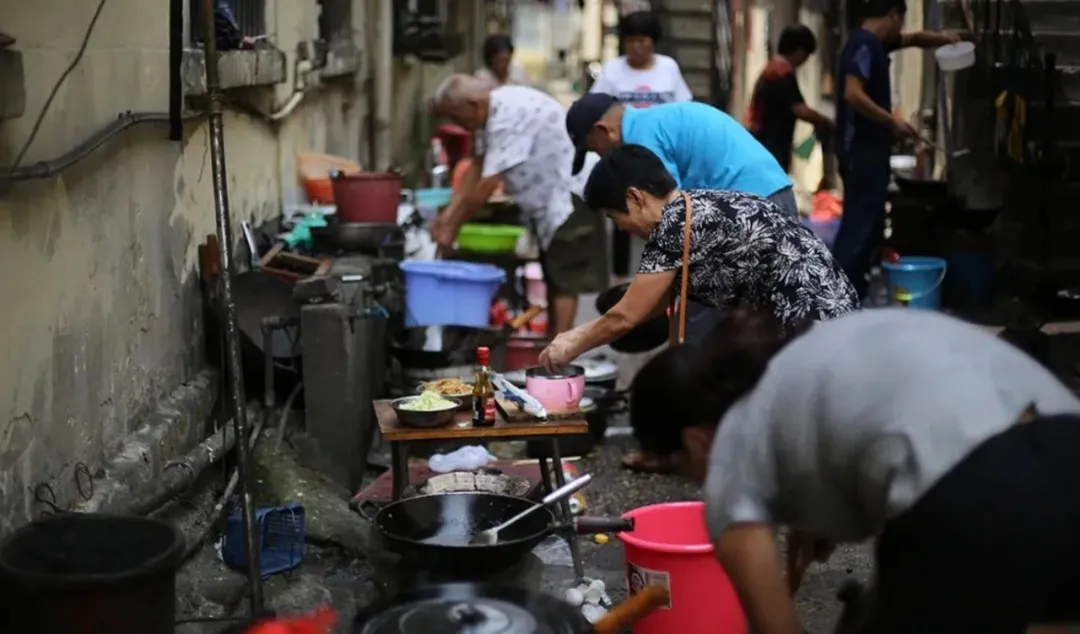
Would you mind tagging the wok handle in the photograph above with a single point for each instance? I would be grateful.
(517, 322)
(637, 607)
(587, 525)
(366, 509)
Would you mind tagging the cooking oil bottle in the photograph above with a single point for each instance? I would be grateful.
(483, 405)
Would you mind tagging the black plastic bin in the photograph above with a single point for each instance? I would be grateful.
(85, 573)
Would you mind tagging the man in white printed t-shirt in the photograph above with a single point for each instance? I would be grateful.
(524, 143)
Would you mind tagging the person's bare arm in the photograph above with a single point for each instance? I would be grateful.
(748, 554)
(927, 39)
(805, 113)
(647, 296)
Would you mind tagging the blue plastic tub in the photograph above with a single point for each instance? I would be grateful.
(972, 277)
(281, 539)
(450, 292)
(433, 198)
(915, 282)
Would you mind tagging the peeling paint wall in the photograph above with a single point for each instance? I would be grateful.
(102, 314)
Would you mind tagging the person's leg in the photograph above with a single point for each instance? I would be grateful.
(620, 254)
(785, 200)
(985, 548)
(866, 184)
(574, 263)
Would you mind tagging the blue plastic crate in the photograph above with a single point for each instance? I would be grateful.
(281, 539)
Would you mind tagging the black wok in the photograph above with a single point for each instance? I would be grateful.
(436, 529)
(646, 336)
(459, 344)
(355, 236)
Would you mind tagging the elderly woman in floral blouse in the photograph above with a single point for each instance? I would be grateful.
(744, 252)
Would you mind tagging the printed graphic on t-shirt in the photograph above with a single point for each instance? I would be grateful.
(644, 97)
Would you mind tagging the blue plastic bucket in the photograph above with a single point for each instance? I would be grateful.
(915, 282)
(450, 292)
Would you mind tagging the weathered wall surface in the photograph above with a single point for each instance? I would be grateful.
(102, 314)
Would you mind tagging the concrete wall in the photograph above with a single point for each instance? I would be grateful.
(102, 314)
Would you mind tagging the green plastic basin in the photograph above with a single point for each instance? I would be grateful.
(481, 238)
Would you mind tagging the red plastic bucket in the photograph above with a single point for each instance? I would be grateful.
(670, 546)
(367, 197)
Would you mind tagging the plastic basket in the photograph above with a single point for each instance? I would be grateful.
(480, 238)
(281, 539)
(449, 292)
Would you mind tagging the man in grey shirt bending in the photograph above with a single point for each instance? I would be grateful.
(957, 451)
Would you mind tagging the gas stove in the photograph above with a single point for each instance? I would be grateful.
(395, 574)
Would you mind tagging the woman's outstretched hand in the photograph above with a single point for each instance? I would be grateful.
(559, 352)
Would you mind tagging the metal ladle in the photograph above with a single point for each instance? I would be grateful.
(491, 535)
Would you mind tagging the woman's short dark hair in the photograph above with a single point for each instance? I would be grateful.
(688, 386)
(627, 166)
(495, 44)
(795, 38)
(881, 8)
(640, 24)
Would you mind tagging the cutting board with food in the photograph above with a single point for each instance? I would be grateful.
(512, 413)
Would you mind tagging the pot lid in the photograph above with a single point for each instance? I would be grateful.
(470, 609)
(566, 372)
(598, 369)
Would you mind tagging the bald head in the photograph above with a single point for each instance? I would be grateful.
(463, 99)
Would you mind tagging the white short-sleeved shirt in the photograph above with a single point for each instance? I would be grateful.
(642, 88)
(525, 140)
(855, 420)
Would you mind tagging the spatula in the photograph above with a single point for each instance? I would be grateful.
(491, 535)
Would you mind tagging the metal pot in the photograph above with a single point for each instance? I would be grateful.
(646, 336)
(435, 529)
(557, 391)
(473, 609)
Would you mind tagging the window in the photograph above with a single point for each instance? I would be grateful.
(250, 17)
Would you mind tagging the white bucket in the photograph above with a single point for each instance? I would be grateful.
(954, 57)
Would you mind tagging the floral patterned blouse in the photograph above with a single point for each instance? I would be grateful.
(746, 252)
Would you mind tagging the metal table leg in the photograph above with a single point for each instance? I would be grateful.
(564, 507)
(399, 469)
(545, 474)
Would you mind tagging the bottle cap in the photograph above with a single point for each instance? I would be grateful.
(482, 355)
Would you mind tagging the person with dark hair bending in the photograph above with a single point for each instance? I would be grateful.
(743, 251)
(499, 66)
(866, 127)
(639, 78)
(777, 101)
(955, 450)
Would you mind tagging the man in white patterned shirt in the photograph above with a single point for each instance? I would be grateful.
(524, 144)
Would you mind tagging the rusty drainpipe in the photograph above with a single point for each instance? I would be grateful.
(215, 109)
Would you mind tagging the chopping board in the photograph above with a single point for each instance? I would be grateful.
(511, 413)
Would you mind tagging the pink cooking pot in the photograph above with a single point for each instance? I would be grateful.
(557, 391)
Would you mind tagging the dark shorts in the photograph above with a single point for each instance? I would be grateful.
(995, 545)
(576, 260)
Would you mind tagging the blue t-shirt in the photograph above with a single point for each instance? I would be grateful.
(866, 57)
(704, 148)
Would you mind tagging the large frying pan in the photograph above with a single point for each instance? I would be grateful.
(436, 529)
(644, 337)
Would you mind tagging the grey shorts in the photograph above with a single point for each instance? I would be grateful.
(785, 199)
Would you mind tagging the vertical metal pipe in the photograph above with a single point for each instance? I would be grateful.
(384, 85)
(232, 328)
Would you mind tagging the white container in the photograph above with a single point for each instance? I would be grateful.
(954, 57)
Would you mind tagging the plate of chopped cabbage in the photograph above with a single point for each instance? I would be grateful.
(429, 409)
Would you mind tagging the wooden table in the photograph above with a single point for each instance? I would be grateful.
(552, 475)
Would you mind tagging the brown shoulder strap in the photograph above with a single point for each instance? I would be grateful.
(685, 267)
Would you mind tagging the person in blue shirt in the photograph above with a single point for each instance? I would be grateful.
(701, 146)
(866, 127)
(703, 149)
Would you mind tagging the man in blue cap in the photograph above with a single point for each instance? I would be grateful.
(701, 146)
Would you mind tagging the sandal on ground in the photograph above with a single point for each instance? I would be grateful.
(641, 462)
